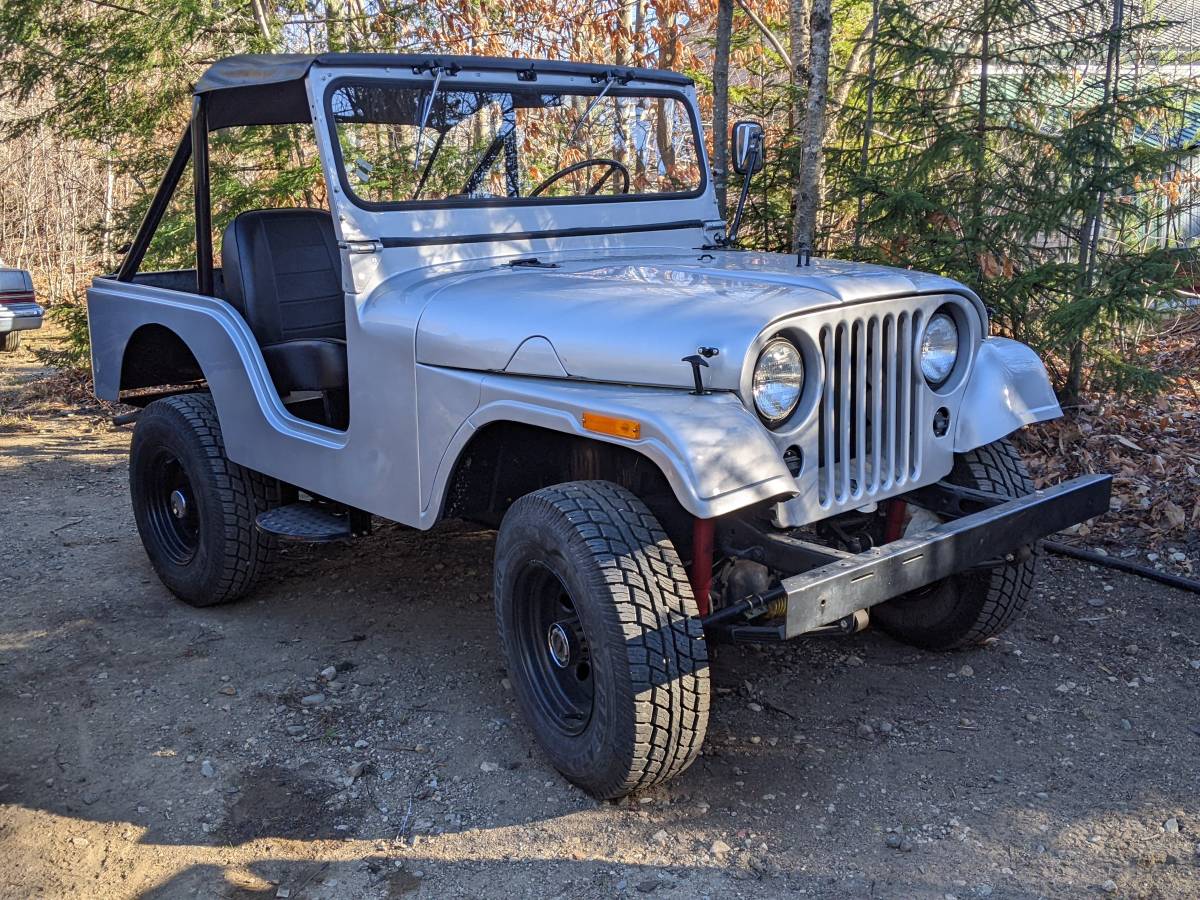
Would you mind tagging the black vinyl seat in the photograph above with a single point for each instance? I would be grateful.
(282, 272)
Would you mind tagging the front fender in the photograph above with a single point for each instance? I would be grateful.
(1009, 388)
(712, 450)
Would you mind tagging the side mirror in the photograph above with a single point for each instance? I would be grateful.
(747, 146)
(746, 141)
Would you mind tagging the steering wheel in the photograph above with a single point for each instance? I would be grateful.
(612, 164)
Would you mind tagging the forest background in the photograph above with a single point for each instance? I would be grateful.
(1043, 152)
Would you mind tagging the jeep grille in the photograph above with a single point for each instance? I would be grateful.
(867, 443)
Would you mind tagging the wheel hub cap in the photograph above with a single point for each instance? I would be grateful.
(179, 504)
(560, 645)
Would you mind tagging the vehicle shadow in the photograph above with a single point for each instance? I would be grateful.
(418, 875)
(115, 703)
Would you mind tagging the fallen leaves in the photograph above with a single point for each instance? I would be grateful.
(1173, 514)
(1152, 450)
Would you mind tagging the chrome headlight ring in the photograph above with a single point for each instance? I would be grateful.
(939, 348)
(778, 381)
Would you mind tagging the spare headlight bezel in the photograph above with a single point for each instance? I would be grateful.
(771, 419)
(950, 344)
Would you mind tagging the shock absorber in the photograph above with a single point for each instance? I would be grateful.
(893, 528)
(702, 563)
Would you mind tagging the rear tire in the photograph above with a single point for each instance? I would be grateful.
(600, 631)
(10, 342)
(967, 609)
(195, 509)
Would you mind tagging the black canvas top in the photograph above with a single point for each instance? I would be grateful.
(267, 89)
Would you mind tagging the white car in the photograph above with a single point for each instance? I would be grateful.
(19, 310)
(523, 309)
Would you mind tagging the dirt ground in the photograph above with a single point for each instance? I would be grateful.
(149, 749)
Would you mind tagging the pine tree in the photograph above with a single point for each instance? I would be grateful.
(1008, 151)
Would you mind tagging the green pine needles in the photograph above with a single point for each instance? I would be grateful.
(1037, 156)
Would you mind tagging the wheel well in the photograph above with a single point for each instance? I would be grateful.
(506, 460)
(155, 356)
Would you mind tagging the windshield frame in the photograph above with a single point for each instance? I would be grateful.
(590, 90)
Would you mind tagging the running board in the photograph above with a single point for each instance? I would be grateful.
(307, 523)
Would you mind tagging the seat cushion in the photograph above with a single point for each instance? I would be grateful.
(313, 364)
(282, 271)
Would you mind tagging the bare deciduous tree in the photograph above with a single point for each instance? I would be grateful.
(812, 135)
(720, 119)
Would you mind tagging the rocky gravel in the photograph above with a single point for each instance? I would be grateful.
(350, 732)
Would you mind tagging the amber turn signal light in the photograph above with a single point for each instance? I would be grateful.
(630, 429)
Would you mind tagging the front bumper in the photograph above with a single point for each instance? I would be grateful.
(21, 316)
(844, 583)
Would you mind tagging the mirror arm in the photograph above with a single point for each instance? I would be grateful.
(751, 166)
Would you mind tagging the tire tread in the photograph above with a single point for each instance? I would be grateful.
(658, 622)
(969, 608)
(242, 494)
(998, 467)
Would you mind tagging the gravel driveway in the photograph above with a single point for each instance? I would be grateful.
(349, 731)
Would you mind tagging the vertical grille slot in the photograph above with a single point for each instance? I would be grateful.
(867, 441)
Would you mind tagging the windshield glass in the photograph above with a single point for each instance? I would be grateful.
(399, 144)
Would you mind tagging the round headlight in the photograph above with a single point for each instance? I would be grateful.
(778, 380)
(939, 348)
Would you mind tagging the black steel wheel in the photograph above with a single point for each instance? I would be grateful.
(195, 509)
(600, 631)
(171, 507)
(553, 650)
(967, 609)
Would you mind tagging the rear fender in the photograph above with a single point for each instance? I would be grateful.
(259, 432)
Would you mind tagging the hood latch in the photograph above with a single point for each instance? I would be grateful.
(696, 360)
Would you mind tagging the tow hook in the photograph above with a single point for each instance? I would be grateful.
(852, 624)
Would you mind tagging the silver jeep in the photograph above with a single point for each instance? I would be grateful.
(523, 309)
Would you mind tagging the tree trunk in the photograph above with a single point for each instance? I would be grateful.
(628, 42)
(1090, 234)
(335, 25)
(720, 120)
(798, 36)
(767, 33)
(663, 132)
(813, 134)
(260, 18)
(860, 52)
(106, 226)
(975, 225)
(864, 158)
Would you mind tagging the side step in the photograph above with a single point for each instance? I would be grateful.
(308, 523)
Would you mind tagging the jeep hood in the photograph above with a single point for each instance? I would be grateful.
(632, 319)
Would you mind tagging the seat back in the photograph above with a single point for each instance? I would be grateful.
(283, 273)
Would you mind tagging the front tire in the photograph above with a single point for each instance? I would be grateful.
(195, 509)
(969, 608)
(600, 632)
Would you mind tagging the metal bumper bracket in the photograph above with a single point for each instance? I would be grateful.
(828, 593)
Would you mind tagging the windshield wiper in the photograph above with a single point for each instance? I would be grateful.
(437, 80)
(610, 78)
(531, 262)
